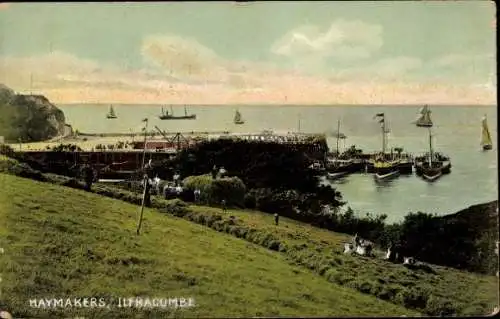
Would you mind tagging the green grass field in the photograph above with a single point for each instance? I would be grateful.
(322, 251)
(64, 243)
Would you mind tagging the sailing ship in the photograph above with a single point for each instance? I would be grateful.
(486, 142)
(385, 165)
(339, 165)
(424, 118)
(237, 118)
(432, 165)
(170, 116)
(111, 114)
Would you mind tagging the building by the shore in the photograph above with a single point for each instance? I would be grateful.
(68, 130)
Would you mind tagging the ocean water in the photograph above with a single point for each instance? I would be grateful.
(457, 131)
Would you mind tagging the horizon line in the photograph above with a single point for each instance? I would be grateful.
(272, 104)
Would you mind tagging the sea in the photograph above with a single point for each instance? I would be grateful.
(456, 131)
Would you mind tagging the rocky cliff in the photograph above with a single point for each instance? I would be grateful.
(28, 117)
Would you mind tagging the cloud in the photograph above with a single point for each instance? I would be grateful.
(211, 79)
(192, 62)
(182, 57)
(388, 69)
(457, 59)
(462, 68)
(342, 40)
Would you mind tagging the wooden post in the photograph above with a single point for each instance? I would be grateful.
(145, 140)
(145, 178)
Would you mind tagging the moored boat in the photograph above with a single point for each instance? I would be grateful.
(432, 165)
(385, 166)
(337, 175)
(339, 164)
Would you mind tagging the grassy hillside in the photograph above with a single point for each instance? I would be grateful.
(66, 243)
(444, 290)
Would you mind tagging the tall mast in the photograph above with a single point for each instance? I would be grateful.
(383, 136)
(31, 84)
(298, 124)
(338, 135)
(145, 141)
(430, 148)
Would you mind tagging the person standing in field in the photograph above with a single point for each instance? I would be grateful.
(88, 176)
(156, 183)
(276, 218)
(197, 193)
(224, 208)
(147, 191)
(214, 172)
(177, 177)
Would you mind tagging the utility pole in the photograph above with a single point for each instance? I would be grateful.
(430, 148)
(145, 177)
(145, 141)
(383, 136)
(338, 136)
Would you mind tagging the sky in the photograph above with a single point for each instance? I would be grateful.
(358, 52)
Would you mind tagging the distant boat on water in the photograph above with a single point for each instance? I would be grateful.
(486, 142)
(432, 165)
(238, 119)
(424, 117)
(111, 114)
(170, 116)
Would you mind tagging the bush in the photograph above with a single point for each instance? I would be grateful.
(73, 183)
(413, 298)
(249, 201)
(231, 189)
(11, 166)
(440, 307)
(175, 207)
(6, 150)
(213, 191)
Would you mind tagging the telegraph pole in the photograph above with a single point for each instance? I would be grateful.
(145, 141)
(145, 177)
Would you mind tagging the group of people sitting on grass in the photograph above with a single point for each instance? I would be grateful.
(364, 247)
(359, 246)
(394, 253)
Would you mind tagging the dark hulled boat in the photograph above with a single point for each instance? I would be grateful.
(385, 166)
(338, 167)
(340, 164)
(432, 165)
(170, 116)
